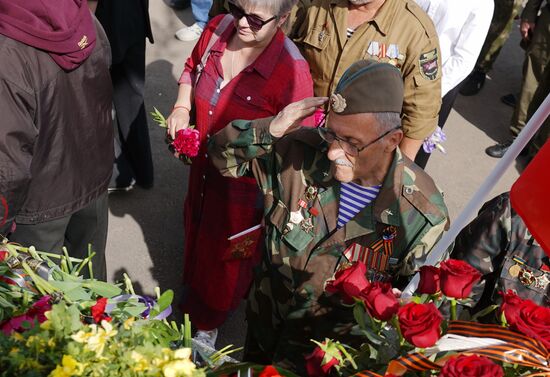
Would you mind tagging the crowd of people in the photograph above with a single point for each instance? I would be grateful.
(314, 120)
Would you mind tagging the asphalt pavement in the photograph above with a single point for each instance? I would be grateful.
(146, 226)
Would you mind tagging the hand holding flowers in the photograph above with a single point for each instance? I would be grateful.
(183, 140)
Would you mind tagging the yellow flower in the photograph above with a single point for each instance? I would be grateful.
(69, 367)
(81, 336)
(51, 342)
(182, 353)
(47, 324)
(141, 363)
(178, 368)
(128, 323)
(99, 336)
(17, 336)
(14, 350)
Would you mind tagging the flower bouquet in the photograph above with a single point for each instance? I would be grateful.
(56, 323)
(424, 335)
(187, 141)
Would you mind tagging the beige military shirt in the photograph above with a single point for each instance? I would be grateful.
(400, 34)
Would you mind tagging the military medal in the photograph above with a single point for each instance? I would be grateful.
(307, 225)
(514, 270)
(373, 49)
(322, 35)
(311, 193)
(302, 203)
(313, 211)
(526, 277)
(296, 217)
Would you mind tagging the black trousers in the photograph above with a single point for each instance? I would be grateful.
(75, 231)
(133, 158)
(446, 105)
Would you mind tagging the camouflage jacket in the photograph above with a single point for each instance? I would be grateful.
(288, 306)
(500, 246)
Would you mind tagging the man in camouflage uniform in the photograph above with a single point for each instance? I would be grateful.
(301, 172)
(503, 19)
(498, 244)
(336, 33)
(536, 30)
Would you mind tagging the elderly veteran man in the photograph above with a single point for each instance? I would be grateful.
(329, 191)
(335, 33)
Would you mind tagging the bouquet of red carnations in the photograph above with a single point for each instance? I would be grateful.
(187, 141)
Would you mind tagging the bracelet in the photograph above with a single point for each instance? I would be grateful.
(181, 107)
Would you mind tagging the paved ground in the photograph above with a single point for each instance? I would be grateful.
(146, 231)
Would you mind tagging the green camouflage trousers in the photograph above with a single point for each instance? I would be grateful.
(534, 67)
(501, 25)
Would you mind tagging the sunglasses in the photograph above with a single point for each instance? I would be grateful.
(255, 22)
(353, 150)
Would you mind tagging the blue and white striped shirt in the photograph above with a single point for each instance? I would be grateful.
(353, 198)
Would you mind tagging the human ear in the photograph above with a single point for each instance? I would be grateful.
(393, 140)
(281, 21)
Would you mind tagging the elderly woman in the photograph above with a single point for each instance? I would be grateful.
(243, 67)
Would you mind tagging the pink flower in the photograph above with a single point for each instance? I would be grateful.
(187, 142)
(36, 312)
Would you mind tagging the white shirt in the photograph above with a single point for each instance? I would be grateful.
(462, 26)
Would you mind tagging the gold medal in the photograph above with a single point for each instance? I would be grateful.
(514, 270)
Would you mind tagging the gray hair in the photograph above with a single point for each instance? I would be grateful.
(387, 120)
(277, 7)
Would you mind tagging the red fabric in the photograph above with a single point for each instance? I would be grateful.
(529, 197)
(217, 207)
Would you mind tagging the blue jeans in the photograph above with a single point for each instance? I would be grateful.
(200, 10)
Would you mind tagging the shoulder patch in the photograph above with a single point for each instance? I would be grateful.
(427, 62)
(422, 18)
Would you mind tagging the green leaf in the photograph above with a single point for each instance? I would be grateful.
(102, 288)
(359, 315)
(158, 117)
(164, 301)
(484, 312)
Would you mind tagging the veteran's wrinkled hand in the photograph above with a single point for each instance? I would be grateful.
(290, 117)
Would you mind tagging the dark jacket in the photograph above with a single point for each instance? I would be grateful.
(56, 136)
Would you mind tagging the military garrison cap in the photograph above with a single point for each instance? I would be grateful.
(368, 86)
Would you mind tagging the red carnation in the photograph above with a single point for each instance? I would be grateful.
(457, 278)
(471, 366)
(187, 142)
(420, 324)
(269, 371)
(429, 280)
(349, 282)
(316, 365)
(380, 301)
(98, 310)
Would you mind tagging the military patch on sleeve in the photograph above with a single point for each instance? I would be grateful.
(428, 64)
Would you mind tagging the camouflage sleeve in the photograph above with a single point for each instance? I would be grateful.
(531, 11)
(416, 257)
(236, 149)
(484, 242)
